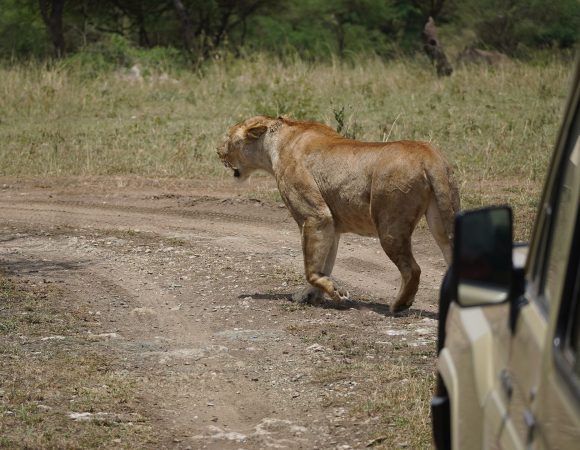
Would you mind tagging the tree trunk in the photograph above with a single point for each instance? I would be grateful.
(51, 11)
(143, 36)
(434, 50)
(222, 31)
(338, 23)
(243, 34)
(436, 7)
(186, 25)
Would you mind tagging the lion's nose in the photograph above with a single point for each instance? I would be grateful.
(237, 173)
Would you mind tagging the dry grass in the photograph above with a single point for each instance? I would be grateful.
(496, 126)
(394, 383)
(401, 398)
(43, 381)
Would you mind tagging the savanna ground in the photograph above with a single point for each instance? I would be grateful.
(144, 297)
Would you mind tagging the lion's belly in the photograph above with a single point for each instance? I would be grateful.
(348, 198)
(354, 218)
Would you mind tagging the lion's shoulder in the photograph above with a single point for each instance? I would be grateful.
(303, 126)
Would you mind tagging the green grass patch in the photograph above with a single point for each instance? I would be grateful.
(494, 124)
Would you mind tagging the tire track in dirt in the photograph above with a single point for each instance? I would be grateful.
(195, 296)
(370, 269)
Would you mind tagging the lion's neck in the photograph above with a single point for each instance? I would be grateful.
(271, 154)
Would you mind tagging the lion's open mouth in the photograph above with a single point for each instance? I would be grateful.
(227, 164)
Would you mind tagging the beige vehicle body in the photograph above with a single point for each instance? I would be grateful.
(509, 365)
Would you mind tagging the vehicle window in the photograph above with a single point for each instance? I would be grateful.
(564, 205)
(572, 339)
(567, 339)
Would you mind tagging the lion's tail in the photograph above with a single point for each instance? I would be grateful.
(443, 206)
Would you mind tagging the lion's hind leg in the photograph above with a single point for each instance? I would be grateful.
(396, 214)
(398, 249)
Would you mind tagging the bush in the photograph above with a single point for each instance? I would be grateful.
(22, 33)
(115, 52)
(517, 26)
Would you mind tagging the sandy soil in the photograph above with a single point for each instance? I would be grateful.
(191, 281)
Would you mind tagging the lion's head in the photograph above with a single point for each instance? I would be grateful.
(242, 150)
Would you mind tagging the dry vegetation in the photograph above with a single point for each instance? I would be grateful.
(496, 125)
(45, 378)
(397, 380)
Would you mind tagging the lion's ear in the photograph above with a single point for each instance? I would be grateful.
(256, 131)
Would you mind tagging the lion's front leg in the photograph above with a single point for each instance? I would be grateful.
(319, 246)
(314, 295)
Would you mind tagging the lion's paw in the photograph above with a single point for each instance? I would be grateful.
(341, 295)
(397, 308)
(308, 295)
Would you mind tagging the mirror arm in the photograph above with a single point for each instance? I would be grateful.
(448, 294)
(518, 301)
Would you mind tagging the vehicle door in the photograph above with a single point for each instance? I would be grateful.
(541, 381)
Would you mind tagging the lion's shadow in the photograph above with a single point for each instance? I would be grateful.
(361, 305)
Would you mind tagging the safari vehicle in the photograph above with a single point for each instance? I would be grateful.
(509, 333)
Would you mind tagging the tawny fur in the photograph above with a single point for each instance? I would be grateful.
(333, 185)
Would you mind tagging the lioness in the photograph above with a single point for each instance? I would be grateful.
(333, 185)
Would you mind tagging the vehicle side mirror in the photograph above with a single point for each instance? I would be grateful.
(482, 256)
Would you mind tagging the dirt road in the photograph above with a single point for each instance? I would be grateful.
(190, 282)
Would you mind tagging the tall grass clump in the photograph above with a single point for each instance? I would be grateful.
(150, 117)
